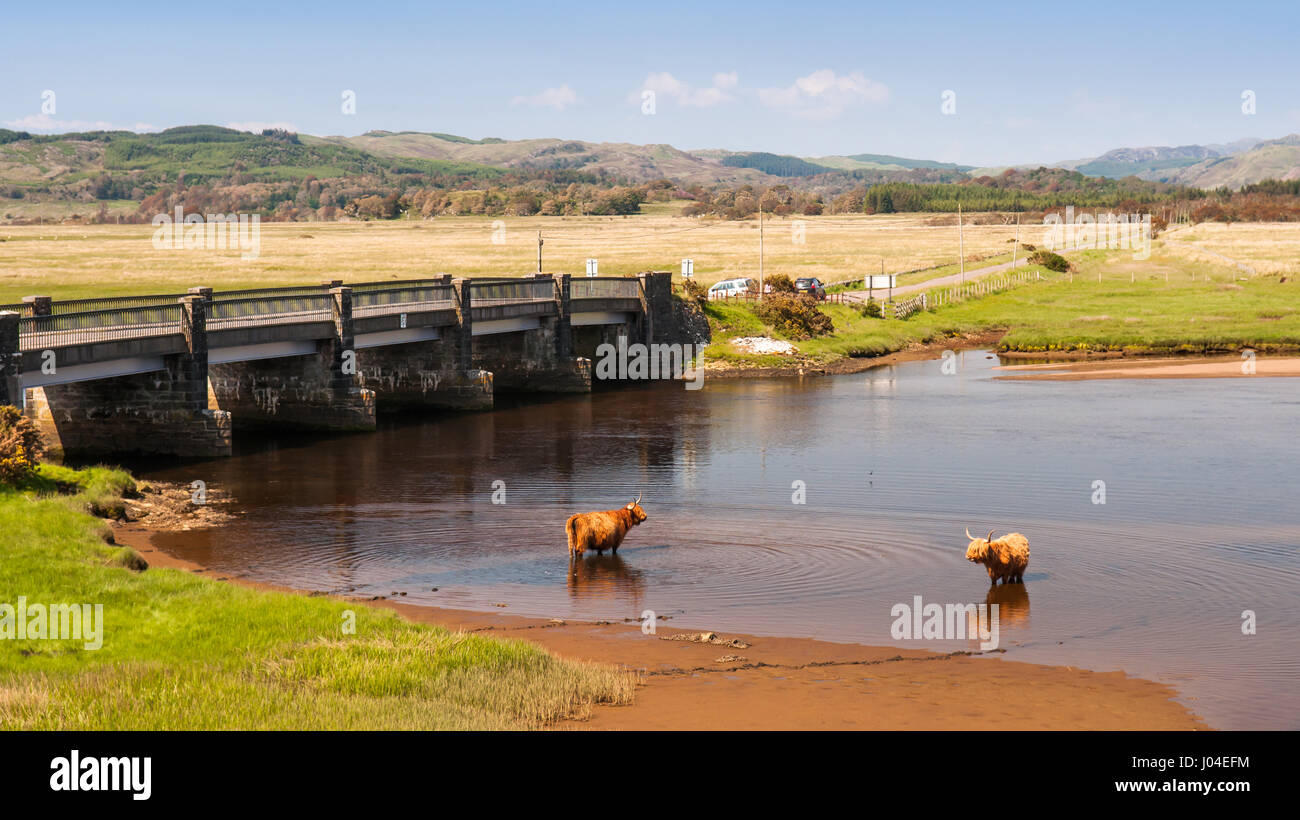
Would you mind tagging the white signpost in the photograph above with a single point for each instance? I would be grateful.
(881, 280)
(688, 268)
(591, 267)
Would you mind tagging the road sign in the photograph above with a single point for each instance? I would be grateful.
(688, 268)
(591, 267)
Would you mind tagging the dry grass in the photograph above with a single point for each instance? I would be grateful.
(75, 261)
(1265, 247)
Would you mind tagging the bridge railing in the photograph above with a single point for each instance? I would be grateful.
(604, 288)
(21, 308)
(274, 310)
(402, 300)
(63, 330)
(514, 292)
(64, 306)
(265, 293)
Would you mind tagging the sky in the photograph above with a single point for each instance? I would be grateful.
(975, 83)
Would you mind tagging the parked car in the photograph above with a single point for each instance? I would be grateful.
(811, 285)
(731, 288)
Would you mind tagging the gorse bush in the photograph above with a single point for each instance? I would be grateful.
(794, 316)
(871, 309)
(779, 283)
(1049, 260)
(694, 291)
(20, 446)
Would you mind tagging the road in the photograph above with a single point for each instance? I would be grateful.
(955, 279)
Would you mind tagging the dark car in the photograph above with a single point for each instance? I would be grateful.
(811, 285)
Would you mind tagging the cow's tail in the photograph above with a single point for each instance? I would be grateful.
(571, 528)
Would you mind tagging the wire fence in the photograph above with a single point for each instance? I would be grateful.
(952, 294)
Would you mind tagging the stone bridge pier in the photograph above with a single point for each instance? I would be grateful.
(319, 390)
(162, 411)
(538, 358)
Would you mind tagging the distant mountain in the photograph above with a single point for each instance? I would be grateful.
(1273, 159)
(1155, 163)
(885, 162)
(620, 160)
(779, 165)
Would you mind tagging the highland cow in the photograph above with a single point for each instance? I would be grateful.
(602, 531)
(1005, 558)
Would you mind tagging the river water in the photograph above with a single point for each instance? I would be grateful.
(1200, 520)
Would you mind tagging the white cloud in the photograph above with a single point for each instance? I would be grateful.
(666, 86)
(257, 127)
(557, 98)
(824, 93)
(44, 122)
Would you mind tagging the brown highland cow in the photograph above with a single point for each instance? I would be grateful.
(602, 531)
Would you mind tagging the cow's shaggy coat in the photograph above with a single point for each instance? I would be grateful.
(602, 531)
(1005, 558)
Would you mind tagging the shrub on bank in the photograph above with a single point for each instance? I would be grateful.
(20, 446)
(695, 292)
(794, 316)
(1049, 260)
(779, 283)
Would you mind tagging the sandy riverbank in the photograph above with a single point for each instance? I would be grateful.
(758, 682)
(1226, 367)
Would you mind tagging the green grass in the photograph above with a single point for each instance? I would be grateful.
(1161, 305)
(184, 652)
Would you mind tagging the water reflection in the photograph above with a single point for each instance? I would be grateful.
(606, 577)
(1013, 603)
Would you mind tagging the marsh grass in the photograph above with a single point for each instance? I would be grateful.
(185, 652)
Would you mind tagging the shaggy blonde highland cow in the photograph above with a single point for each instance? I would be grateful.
(1005, 558)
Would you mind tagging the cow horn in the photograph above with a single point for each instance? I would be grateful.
(990, 538)
(638, 499)
(968, 535)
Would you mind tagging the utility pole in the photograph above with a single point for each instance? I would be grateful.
(961, 246)
(1015, 247)
(539, 251)
(760, 247)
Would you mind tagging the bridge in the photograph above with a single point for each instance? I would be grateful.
(173, 374)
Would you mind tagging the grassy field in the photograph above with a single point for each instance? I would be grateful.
(1111, 302)
(1264, 247)
(69, 261)
(184, 652)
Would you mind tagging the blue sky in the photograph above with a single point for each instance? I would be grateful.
(1032, 81)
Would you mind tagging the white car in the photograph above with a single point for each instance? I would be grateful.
(731, 288)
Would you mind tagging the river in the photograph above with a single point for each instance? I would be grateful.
(1199, 523)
